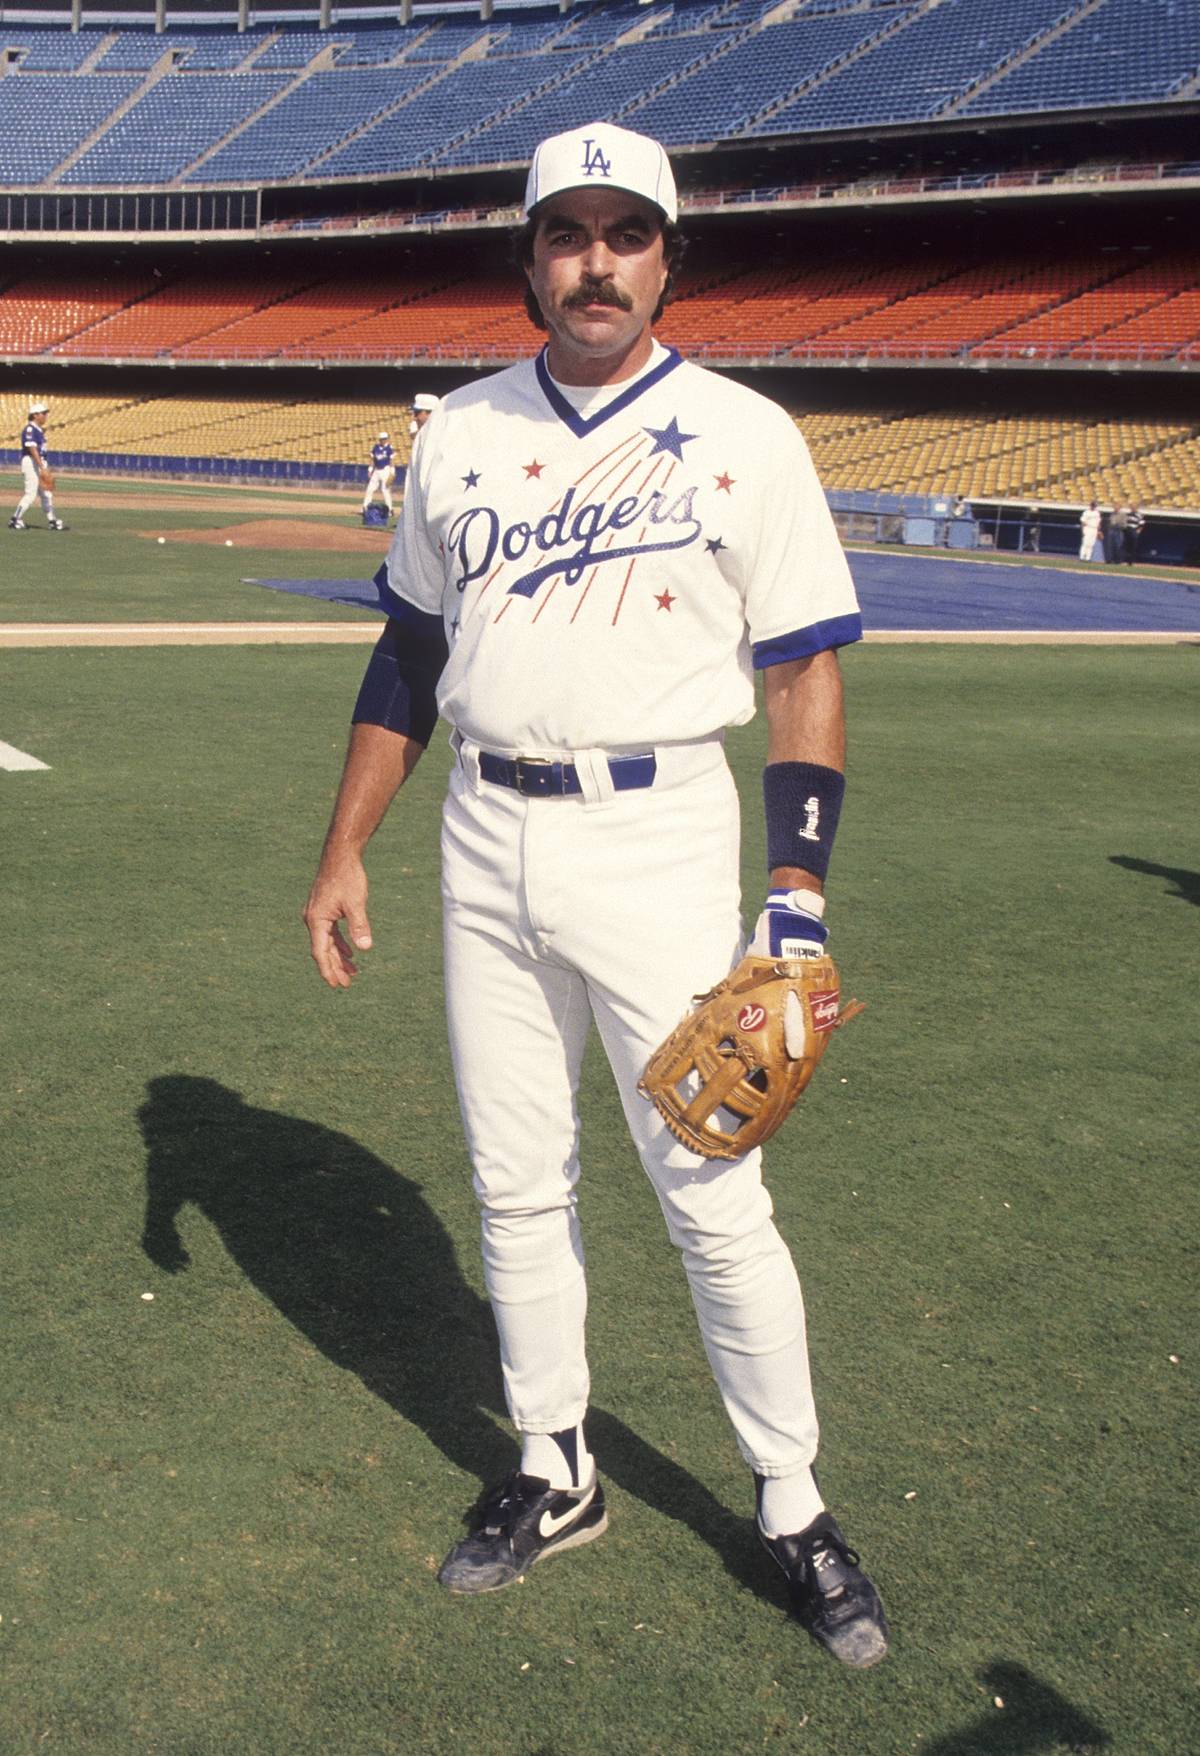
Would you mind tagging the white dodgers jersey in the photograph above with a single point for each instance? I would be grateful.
(611, 566)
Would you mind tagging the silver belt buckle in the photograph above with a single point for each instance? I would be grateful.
(535, 783)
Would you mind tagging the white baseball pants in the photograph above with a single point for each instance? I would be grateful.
(617, 907)
(33, 490)
(379, 482)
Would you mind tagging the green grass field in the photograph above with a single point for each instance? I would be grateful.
(249, 1374)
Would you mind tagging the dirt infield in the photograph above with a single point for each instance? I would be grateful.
(282, 533)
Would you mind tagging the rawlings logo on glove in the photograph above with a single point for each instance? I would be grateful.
(729, 1073)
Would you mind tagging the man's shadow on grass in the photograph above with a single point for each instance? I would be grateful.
(1034, 1719)
(1187, 883)
(349, 1251)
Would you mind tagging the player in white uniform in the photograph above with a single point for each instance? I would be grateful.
(597, 551)
(423, 406)
(35, 464)
(1089, 533)
(382, 472)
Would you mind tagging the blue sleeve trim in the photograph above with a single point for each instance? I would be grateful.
(390, 602)
(399, 688)
(818, 637)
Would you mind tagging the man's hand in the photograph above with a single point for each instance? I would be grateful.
(377, 762)
(790, 927)
(339, 893)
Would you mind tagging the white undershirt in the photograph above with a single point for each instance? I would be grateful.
(589, 399)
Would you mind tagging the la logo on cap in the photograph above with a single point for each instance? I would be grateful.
(601, 154)
(594, 161)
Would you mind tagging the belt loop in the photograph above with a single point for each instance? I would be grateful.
(468, 756)
(595, 777)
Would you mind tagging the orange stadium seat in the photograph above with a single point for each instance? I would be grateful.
(41, 311)
(182, 310)
(1086, 305)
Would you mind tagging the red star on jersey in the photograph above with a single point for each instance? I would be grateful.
(533, 469)
(664, 600)
(724, 483)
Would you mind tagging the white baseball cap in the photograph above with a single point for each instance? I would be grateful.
(424, 402)
(383, 435)
(601, 155)
(39, 408)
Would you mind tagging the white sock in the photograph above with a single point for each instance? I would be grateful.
(788, 1504)
(562, 1459)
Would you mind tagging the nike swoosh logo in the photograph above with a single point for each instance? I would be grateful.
(549, 1526)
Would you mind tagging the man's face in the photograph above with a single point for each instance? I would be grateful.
(598, 273)
(420, 416)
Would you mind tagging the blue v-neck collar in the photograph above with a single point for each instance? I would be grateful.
(571, 417)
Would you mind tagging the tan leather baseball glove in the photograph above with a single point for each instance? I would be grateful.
(46, 480)
(730, 1071)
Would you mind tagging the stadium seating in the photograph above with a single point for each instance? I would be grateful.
(1053, 460)
(318, 114)
(164, 318)
(721, 98)
(1132, 307)
(49, 51)
(466, 92)
(138, 51)
(48, 116)
(1123, 52)
(43, 310)
(180, 117)
(922, 67)
(1109, 305)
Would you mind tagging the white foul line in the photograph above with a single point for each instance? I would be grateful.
(14, 759)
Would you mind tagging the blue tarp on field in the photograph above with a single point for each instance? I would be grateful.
(927, 594)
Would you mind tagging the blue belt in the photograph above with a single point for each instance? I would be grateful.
(538, 777)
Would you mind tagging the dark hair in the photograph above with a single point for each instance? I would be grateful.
(521, 256)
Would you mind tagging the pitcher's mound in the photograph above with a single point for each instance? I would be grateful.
(284, 533)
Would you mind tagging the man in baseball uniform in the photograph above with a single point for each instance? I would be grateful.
(598, 550)
(381, 472)
(423, 406)
(38, 484)
(1089, 532)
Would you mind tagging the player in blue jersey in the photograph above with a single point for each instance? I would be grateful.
(37, 481)
(598, 552)
(382, 473)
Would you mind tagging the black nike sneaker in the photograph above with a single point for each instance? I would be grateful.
(520, 1522)
(831, 1594)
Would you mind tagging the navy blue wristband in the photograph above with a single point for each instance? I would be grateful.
(803, 801)
(399, 687)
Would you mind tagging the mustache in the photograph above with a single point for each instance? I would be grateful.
(598, 292)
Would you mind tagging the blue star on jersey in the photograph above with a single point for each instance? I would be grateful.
(669, 438)
(471, 479)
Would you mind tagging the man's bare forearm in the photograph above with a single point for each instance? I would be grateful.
(378, 762)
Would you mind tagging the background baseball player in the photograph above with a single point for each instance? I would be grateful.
(597, 551)
(38, 482)
(1089, 530)
(423, 406)
(381, 473)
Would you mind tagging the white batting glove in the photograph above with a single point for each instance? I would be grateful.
(790, 926)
